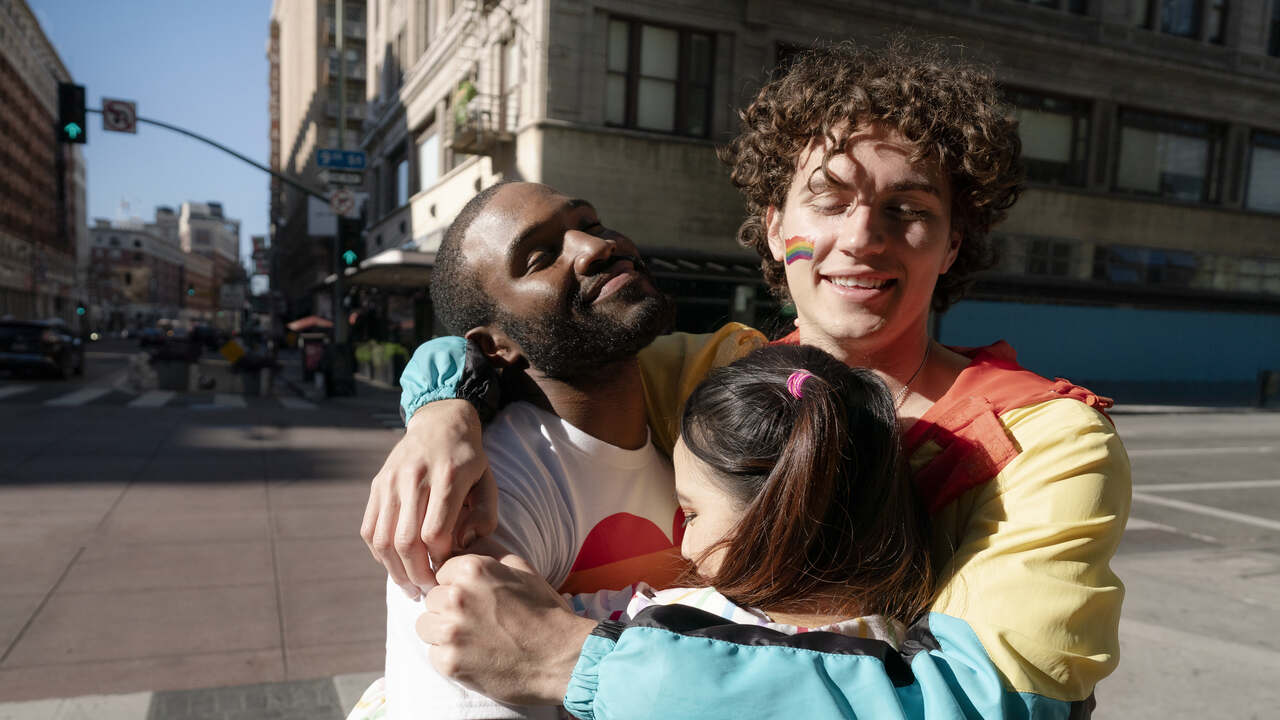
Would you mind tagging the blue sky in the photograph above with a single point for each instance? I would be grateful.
(198, 65)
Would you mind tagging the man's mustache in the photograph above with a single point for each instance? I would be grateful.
(605, 264)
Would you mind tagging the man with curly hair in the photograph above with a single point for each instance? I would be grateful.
(872, 179)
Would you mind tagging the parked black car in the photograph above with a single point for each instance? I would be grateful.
(40, 345)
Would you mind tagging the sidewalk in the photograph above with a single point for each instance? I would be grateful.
(149, 555)
(319, 699)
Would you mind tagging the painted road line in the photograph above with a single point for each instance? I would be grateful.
(79, 397)
(153, 398)
(296, 403)
(1267, 523)
(228, 400)
(1192, 487)
(12, 390)
(1248, 449)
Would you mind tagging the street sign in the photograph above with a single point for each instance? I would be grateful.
(343, 202)
(340, 159)
(340, 177)
(119, 115)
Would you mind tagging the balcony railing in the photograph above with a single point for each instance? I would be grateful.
(483, 123)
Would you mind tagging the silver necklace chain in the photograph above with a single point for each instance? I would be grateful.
(902, 394)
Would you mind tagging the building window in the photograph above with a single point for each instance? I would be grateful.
(1170, 157)
(1195, 19)
(1180, 17)
(1263, 190)
(1048, 257)
(1273, 47)
(1055, 137)
(428, 159)
(398, 192)
(658, 78)
(1148, 266)
(1216, 22)
(1075, 7)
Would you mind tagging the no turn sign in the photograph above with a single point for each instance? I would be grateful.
(119, 115)
(343, 202)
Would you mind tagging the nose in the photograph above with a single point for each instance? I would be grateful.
(861, 232)
(586, 249)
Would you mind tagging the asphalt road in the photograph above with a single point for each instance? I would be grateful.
(1200, 633)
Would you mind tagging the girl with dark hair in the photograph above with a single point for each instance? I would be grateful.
(797, 512)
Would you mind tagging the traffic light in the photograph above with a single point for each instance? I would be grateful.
(71, 125)
(351, 231)
(81, 310)
(191, 291)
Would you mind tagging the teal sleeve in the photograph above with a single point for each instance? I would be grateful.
(434, 373)
(676, 664)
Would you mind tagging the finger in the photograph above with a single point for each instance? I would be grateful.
(465, 570)
(443, 505)
(411, 553)
(482, 515)
(378, 531)
(426, 626)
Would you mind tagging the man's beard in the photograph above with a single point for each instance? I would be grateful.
(581, 339)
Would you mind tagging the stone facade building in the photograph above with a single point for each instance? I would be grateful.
(1146, 243)
(42, 182)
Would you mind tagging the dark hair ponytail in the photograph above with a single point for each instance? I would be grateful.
(830, 519)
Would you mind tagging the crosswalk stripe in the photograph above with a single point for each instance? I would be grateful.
(153, 398)
(79, 397)
(228, 400)
(15, 390)
(296, 403)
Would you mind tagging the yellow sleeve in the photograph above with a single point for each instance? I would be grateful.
(673, 365)
(1030, 572)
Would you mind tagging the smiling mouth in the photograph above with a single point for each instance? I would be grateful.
(861, 283)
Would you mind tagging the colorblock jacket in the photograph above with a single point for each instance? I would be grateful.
(1028, 487)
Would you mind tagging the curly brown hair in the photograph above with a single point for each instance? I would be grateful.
(953, 112)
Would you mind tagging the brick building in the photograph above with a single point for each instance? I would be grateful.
(42, 182)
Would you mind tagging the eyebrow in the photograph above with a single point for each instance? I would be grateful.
(909, 185)
(570, 204)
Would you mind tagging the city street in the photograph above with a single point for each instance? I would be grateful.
(198, 544)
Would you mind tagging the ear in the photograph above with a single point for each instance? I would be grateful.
(952, 252)
(773, 229)
(501, 350)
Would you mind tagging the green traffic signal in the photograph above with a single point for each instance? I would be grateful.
(71, 126)
(80, 310)
(350, 257)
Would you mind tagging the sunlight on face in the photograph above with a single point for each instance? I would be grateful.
(709, 512)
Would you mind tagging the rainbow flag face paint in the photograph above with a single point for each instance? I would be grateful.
(799, 248)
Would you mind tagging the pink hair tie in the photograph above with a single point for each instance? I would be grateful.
(796, 381)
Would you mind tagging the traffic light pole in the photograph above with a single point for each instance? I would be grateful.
(343, 375)
(196, 136)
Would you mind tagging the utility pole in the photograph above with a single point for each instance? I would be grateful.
(343, 380)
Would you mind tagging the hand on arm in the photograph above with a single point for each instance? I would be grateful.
(433, 494)
(502, 631)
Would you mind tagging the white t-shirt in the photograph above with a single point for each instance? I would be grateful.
(585, 514)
